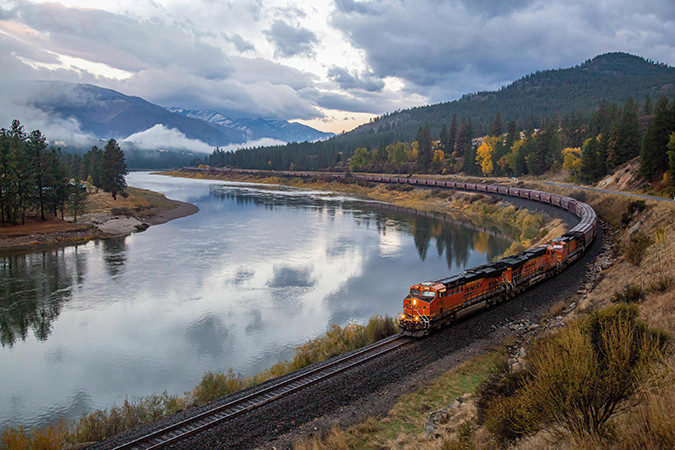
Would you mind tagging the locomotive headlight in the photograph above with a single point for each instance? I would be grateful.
(417, 318)
(402, 316)
(414, 302)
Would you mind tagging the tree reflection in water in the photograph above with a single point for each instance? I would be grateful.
(454, 237)
(114, 255)
(33, 288)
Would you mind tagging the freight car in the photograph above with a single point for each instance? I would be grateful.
(430, 305)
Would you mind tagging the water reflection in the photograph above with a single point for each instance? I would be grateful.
(114, 255)
(32, 290)
(240, 284)
(454, 237)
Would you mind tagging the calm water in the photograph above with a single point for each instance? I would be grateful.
(238, 285)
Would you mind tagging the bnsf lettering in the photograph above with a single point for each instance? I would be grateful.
(472, 287)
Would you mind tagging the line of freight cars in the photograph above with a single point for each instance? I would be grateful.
(432, 304)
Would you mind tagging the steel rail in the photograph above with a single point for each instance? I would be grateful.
(234, 408)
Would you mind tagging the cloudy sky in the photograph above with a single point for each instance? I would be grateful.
(329, 64)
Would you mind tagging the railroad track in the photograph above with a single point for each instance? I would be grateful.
(230, 410)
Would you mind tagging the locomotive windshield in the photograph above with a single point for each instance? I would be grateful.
(427, 296)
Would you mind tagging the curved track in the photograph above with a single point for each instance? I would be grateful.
(210, 418)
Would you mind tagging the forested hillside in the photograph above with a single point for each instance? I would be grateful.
(568, 106)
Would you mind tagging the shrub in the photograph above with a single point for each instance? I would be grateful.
(630, 294)
(580, 376)
(662, 284)
(637, 248)
(398, 187)
(500, 406)
(580, 195)
(218, 384)
(363, 183)
(668, 192)
(100, 425)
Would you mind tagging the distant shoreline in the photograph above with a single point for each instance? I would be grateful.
(37, 236)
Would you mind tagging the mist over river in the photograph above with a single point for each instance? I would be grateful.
(257, 271)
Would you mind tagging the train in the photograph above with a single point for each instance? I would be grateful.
(432, 304)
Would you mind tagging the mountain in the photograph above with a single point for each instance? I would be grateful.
(531, 100)
(255, 129)
(105, 113)
(612, 77)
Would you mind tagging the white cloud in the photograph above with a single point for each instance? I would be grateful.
(264, 142)
(161, 138)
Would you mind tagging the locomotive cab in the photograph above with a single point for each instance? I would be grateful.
(418, 308)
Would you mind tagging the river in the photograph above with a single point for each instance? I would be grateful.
(257, 271)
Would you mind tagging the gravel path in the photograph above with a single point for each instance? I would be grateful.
(373, 388)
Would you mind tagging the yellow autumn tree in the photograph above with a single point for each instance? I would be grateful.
(572, 162)
(484, 154)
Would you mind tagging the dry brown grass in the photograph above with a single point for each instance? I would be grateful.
(34, 226)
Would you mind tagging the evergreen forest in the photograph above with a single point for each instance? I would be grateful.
(35, 177)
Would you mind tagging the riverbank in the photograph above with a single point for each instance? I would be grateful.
(105, 218)
(526, 227)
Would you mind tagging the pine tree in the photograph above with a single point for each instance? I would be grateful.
(452, 135)
(653, 158)
(589, 159)
(497, 126)
(20, 171)
(647, 107)
(628, 139)
(444, 137)
(37, 145)
(114, 169)
(424, 155)
(464, 136)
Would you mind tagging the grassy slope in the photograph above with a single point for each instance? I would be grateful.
(645, 421)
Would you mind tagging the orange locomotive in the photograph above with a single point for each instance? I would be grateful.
(433, 304)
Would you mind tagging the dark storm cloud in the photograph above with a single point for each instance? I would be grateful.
(290, 41)
(347, 80)
(444, 49)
